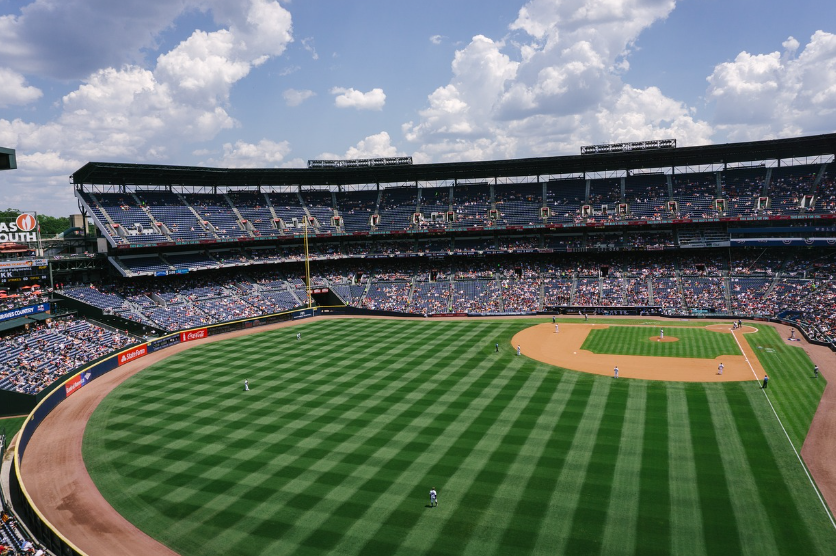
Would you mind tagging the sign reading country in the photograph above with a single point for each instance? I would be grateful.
(76, 382)
(134, 353)
(191, 335)
(23, 229)
(24, 311)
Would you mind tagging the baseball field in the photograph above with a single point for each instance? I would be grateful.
(343, 433)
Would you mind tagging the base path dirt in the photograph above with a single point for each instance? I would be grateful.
(563, 349)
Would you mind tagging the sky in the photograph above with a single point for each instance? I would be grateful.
(267, 83)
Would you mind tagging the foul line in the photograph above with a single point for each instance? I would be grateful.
(801, 461)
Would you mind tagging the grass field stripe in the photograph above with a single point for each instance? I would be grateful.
(654, 496)
(775, 501)
(532, 507)
(463, 442)
(721, 531)
(497, 517)
(797, 400)
(371, 428)
(394, 387)
(446, 464)
(620, 532)
(290, 409)
(744, 479)
(797, 455)
(565, 498)
(403, 438)
(801, 462)
(595, 497)
(326, 470)
(431, 395)
(464, 503)
(694, 342)
(795, 483)
(475, 502)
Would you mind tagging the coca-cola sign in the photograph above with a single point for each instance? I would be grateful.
(192, 335)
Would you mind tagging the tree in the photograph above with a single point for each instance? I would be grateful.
(50, 225)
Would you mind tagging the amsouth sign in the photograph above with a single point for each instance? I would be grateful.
(23, 229)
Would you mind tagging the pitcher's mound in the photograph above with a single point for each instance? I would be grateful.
(666, 339)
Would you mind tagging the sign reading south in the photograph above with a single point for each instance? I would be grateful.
(23, 229)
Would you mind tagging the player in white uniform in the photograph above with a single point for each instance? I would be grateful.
(720, 369)
(298, 335)
(615, 372)
(662, 333)
(433, 498)
(519, 350)
(556, 328)
(246, 385)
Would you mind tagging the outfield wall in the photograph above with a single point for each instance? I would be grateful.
(69, 384)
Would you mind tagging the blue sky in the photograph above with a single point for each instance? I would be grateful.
(269, 83)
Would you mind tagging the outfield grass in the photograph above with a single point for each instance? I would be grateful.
(11, 425)
(635, 340)
(335, 449)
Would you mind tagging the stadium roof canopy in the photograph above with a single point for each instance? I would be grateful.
(106, 173)
(7, 159)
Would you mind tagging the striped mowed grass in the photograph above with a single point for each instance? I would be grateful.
(696, 342)
(336, 446)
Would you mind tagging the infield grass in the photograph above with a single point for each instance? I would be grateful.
(336, 446)
(636, 340)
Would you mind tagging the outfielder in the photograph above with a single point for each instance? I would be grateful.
(433, 497)
(246, 385)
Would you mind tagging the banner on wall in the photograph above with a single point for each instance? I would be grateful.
(131, 354)
(192, 335)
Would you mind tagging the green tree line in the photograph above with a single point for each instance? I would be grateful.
(50, 225)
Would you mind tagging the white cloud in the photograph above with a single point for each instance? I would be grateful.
(14, 90)
(436, 39)
(759, 96)
(72, 38)
(308, 44)
(564, 89)
(293, 97)
(351, 98)
(378, 145)
(150, 114)
(264, 154)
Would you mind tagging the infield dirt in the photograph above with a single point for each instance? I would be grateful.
(563, 349)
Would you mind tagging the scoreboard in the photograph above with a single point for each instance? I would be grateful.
(31, 271)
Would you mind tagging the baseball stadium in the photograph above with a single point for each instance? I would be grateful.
(626, 351)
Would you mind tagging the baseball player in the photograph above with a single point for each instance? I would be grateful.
(497, 347)
(661, 333)
(720, 368)
(765, 382)
(519, 350)
(816, 371)
(556, 328)
(298, 335)
(433, 497)
(246, 385)
(615, 372)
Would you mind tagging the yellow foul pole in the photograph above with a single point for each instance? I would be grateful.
(307, 267)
